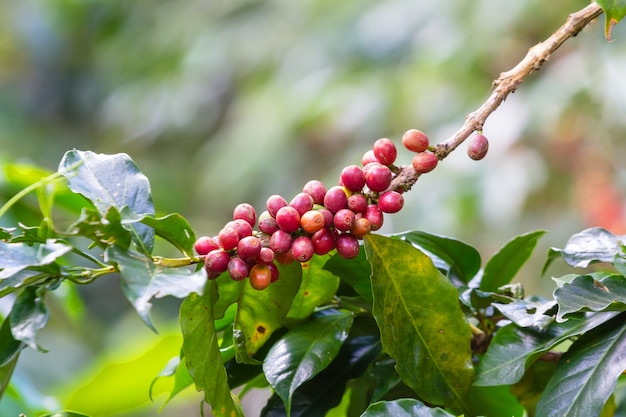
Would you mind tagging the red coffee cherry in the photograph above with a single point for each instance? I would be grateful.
(237, 269)
(323, 241)
(275, 203)
(315, 189)
(228, 238)
(288, 219)
(216, 261)
(266, 256)
(267, 223)
(361, 228)
(280, 241)
(415, 140)
(344, 220)
(312, 221)
(368, 158)
(357, 203)
(385, 151)
(477, 146)
(377, 177)
(353, 178)
(390, 202)
(302, 202)
(424, 162)
(260, 276)
(204, 245)
(347, 246)
(375, 216)
(302, 249)
(335, 199)
(242, 227)
(249, 247)
(245, 211)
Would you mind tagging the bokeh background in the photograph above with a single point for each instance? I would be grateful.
(221, 102)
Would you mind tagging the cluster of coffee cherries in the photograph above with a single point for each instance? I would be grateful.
(316, 220)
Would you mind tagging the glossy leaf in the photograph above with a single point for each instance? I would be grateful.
(459, 260)
(202, 355)
(503, 266)
(528, 312)
(142, 280)
(421, 323)
(354, 272)
(111, 181)
(15, 257)
(495, 401)
(591, 245)
(9, 346)
(590, 293)
(587, 373)
(529, 389)
(404, 408)
(305, 351)
(20, 280)
(29, 315)
(103, 229)
(513, 349)
(261, 313)
(615, 10)
(175, 229)
(318, 287)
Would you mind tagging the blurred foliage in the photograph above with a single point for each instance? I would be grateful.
(224, 102)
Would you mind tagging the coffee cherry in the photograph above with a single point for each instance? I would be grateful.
(216, 261)
(302, 249)
(385, 151)
(302, 202)
(228, 238)
(284, 258)
(280, 241)
(390, 202)
(249, 247)
(242, 227)
(344, 220)
(237, 269)
(335, 199)
(204, 245)
(245, 211)
(312, 221)
(368, 158)
(315, 189)
(353, 178)
(477, 146)
(267, 223)
(415, 140)
(375, 216)
(361, 228)
(274, 203)
(323, 241)
(266, 256)
(328, 217)
(357, 203)
(260, 276)
(288, 219)
(275, 273)
(377, 177)
(424, 162)
(347, 246)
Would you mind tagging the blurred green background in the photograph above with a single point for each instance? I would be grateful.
(221, 102)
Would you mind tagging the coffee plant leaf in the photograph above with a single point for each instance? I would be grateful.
(495, 401)
(404, 408)
(6, 372)
(354, 272)
(529, 389)
(503, 266)
(591, 292)
(175, 229)
(460, 261)
(29, 315)
(112, 181)
(513, 349)
(143, 280)
(587, 373)
(201, 353)
(421, 323)
(9, 346)
(528, 312)
(305, 351)
(614, 11)
(14, 257)
(318, 286)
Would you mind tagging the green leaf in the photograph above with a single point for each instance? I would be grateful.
(503, 266)
(15, 257)
(421, 323)
(261, 313)
(588, 293)
(513, 349)
(318, 287)
(202, 354)
(354, 272)
(142, 280)
(29, 314)
(182, 379)
(460, 261)
(404, 408)
(587, 373)
(591, 245)
(528, 312)
(305, 351)
(103, 229)
(495, 401)
(6, 372)
(175, 229)
(111, 181)
(530, 388)
(615, 10)
(9, 347)
(65, 414)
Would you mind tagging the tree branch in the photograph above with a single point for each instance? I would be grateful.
(505, 84)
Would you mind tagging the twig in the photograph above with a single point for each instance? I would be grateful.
(505, 84)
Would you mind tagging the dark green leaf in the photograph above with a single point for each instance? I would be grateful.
(587, 373)
(6, 372)
(503, 266)
(111, 181)
(9, 347)
(318, 287)
(529, 389)
(29, 314)
(404, 408)
(104, 229)
(175, 229)
(20, 280)
(202, 355)
(6, 233)
(383, 371)
(513, 349)
(354, 272)
(588, 293)
(460, 261)
(615, 10)
(304, 352)
(142, 280)
(495, 401)
(15, 257)
(421, 323)
(591, 245)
